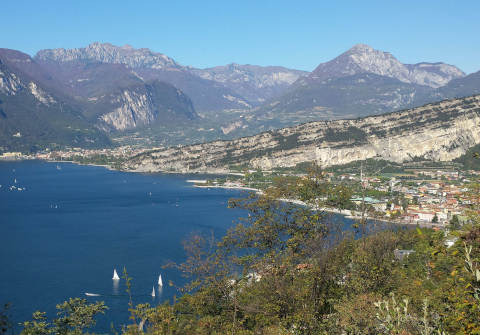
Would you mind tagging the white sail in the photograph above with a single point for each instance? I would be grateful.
(153, 291)
(160, 282)
(115, 275)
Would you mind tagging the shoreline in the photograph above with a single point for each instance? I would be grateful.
(242, 188)
(346, 213)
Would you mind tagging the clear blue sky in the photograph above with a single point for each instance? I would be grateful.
(296, 34)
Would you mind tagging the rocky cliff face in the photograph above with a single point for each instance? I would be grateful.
(134, 109)
(108, 53)
(33, 115)
(362, 58)
(9, 82)
(439, 131)
(40, 94)
(143, 105)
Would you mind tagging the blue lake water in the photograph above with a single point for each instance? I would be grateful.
(64, 234)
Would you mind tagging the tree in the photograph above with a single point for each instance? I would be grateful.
(454, 222)
(73, 317)
(5, 324)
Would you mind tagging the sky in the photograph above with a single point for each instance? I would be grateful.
(295, 34)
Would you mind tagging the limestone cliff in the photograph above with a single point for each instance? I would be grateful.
(439, 131)
(142, 105)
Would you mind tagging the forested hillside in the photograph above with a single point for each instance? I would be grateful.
(286, 269)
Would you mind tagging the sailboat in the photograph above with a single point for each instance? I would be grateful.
(115, 275)
(160, 283)
(153, 291)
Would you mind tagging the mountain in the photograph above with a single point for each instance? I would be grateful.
(141, 105)
(33, 116)
(345, 97)
(148, 65)
(108, 53)
(113, 97)
(255, 83)
(362, 58)
(121, 90)
(215, 89)
(362, 81)
(48, 104)
(456, 88)
(111, 94)
(89, 80)
(439, 131)
(461, 87)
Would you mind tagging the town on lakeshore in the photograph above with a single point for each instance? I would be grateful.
(423, 196)
(423, 193)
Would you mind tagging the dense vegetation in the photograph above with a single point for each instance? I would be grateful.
(469, 160)
(286, 269)
(28, 126)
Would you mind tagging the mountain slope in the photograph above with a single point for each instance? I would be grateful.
(362, 81)
(461, 87)
(346, 97)
(89, 80)
(225, 87)
(362, 58)
(438, 131)
(206, 94)
(142, 105)
(111, 94)
(255, 83)
(33, 117)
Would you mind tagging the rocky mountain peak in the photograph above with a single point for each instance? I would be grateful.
(109, 53)
(360, 47)
(362, 58)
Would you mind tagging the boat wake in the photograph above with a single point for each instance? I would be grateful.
(92, 294)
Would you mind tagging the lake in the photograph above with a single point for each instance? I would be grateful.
(69, 226)
(72, 225)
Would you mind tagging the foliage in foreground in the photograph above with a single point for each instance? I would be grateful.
(290, 270)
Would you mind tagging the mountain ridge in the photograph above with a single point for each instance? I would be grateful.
(33, 117)
(437, 131)
(120, 88)
(221, 93)
(409, 85)
(362, 58)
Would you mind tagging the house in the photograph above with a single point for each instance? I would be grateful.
(379, 205)
(401, 254)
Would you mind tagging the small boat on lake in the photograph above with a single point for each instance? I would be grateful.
(160, 282)
(92, 294)
(115, 275)
(153, 291)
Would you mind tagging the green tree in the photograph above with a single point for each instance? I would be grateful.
(73, 317)
(454, 222)
(5, 324)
